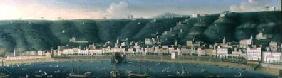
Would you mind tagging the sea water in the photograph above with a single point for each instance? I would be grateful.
(102, 69)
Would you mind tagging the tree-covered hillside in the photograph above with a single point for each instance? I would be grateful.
(44, 34)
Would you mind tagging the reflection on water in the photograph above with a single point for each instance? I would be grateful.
(104, 68)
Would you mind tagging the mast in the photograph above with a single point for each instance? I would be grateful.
(14, 52)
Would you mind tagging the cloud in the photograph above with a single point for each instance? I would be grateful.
(118, 10)
(31, 9)
(251, 6)
(55, 12)
(15, 9)
(251, 1)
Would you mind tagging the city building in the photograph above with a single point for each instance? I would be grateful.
(73, 39)
(173, 55)
(201, 52)
(223, 14)
(149, 41)
(253, 54)
(40, 53)
(261, 36)
(185, 51)
(95, 52)
(273, 46)
(221, 52)
(195, 15)
(237, 53)
(272, 57)
(246, 42)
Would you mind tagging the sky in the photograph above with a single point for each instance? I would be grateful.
(118, 9)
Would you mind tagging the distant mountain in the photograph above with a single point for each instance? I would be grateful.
(44, 35)
(168, 15)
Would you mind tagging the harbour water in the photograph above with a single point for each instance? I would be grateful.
(103, 69)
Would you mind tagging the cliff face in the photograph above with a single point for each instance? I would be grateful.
(42, 34)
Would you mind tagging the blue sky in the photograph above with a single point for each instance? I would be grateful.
(97, 9)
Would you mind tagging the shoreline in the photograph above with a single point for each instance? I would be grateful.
(181, 59)
(248, 67)
(29, 61)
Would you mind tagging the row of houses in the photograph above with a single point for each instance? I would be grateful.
(252, 54)
(246, 49)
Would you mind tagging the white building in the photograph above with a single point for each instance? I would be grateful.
(185, 51)
(164, 50)
(189, 43)
(123, 44)
(245, 42)
(253, 54)
(172, 50)
(222, 51)
(92, 46)
(130, 50)
(31, 53)
(236, 52)
(193, 51)
(173, 55)
(149, 50)
(118, 50)
(137, 48)
(83, 52)
(273, 46)
(73, 39)
(271, 57)
(195, 15)
(164, 46)
(201, 52)
(71, 51)
(222, 15)
(165, 33)
(95, 52)
(157, 50)
(106, 50)
(148, 41)
(40, 53)
(179, 51)
(260, 36)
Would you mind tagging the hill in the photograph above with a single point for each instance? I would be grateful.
(45, 34)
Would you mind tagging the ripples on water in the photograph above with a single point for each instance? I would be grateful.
(102, 69)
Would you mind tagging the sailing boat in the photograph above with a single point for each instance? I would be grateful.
(115, 73)
(3, 75)
(138, 75)
(74, 74)
(135, 75)
(118, 58)
(239, 75)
